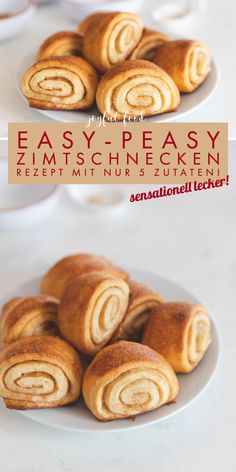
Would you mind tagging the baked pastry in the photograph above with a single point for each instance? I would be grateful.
(126, 379)
(91, 309)
(63, 43)
(59, 275)
(180, 332)
(142, 300)
(29, 316)
(39, 372)
(60, 83)
(147, 45)
(136, 88)
(110, 37)
(187, 62)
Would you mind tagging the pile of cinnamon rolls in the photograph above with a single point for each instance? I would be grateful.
(128, 70)
(131, 341)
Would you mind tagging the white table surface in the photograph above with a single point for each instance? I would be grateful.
(188, 238)
(217, 29)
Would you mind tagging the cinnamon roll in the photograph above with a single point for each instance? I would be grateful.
(109, 38)
(180, 332)
(187, 62)
(64, 43)
(39, 372)
(136, 88)
(91, 308)
(142, 300)
(60, 83)
(126, 379)
(59, 275)
(146, 47)
(29, 316)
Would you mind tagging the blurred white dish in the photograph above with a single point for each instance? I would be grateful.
(78, 9)
(97, 198)
(14, 16)
(77, 417)
(178, 16)
(22, 205)
(43, 1)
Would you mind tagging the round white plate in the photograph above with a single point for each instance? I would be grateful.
(189, 102)
(78, 418)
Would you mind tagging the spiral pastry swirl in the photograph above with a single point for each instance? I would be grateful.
(126, 379)
(60, 83)
(142, 300)
(110, 37)
(92, 307)
(39, 372)
(63, 43)
(146, 48)
(180, 332)
(136, 88)
(59, 275)
(187, 62)
(29, 316)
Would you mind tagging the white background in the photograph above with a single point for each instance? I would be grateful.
(216, 28)
(190, 239)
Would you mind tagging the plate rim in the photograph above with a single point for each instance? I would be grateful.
(134, 425)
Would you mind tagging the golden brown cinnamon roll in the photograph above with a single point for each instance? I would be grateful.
(63, 43)
(60, 83)
(147, 45)
(126, 379)
(187, 62)
(110, 37)
(136, 88)
(91, 309)
(180, 332)
(39, 372)
(29, 316)
(142, 300)
(59, 275)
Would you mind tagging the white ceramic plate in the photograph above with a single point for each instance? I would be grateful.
(189, 102)
(78, 418)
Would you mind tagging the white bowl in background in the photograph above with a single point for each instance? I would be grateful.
(178, 16)
(78, 9)
(98, 198)
(14, 16)
(22, 205)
